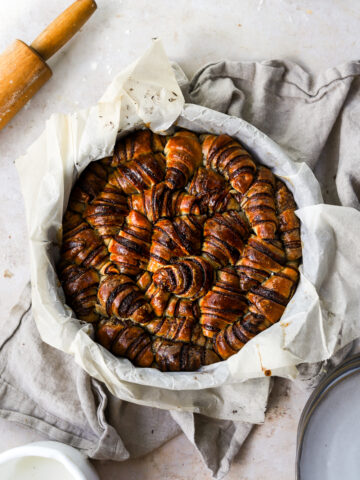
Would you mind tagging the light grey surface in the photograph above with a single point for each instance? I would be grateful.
(318, 35)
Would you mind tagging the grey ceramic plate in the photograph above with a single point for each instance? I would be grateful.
(328, 443)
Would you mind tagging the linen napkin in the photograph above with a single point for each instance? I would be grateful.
(316, 119)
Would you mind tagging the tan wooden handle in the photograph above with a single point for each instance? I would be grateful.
(63, 28)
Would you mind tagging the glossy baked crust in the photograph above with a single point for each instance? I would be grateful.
(179, 249)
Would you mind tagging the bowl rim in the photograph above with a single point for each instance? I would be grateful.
(79, 469)
(348, 367)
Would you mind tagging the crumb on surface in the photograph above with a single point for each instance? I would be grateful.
(8, 274)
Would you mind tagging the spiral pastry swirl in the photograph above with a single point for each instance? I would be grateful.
(179, 249)
(188, 278)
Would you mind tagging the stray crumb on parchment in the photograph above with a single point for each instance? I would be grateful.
(8, 274)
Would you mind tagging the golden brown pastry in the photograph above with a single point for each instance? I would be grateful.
(118, 296)
(234, 336)
(225, 236)
(175, 356)
(139, 174)
(130, 248)
(267, 304)
(260, 258)
(183, 156)
(180, 329)
(206, 182)
(182, 307)
(140, 142)
(179, 249)
(81, 245)
(109, 268)
(229, 158)
(80, 286)
(161, 202)
(89, 185)
(158, 298)
(174, 238)
(212, 192)
(164, 303)
(188, 278)
(271, 297)
(124, 339)
(106, 212)
(223, 305)
(289, 223)
(259, 204)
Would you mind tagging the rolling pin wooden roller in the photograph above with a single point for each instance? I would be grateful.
(23, 69)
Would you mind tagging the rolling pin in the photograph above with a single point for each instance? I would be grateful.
(23, 69)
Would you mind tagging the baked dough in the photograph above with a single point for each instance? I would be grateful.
(179, 249)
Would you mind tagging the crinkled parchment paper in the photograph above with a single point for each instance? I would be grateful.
(321, 317)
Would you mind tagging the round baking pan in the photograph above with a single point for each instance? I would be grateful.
(328, 440)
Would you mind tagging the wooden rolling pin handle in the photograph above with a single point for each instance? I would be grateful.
(63, 28)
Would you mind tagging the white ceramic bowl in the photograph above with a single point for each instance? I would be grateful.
(44, 461)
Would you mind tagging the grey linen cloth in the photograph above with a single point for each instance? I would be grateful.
(316, 119)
